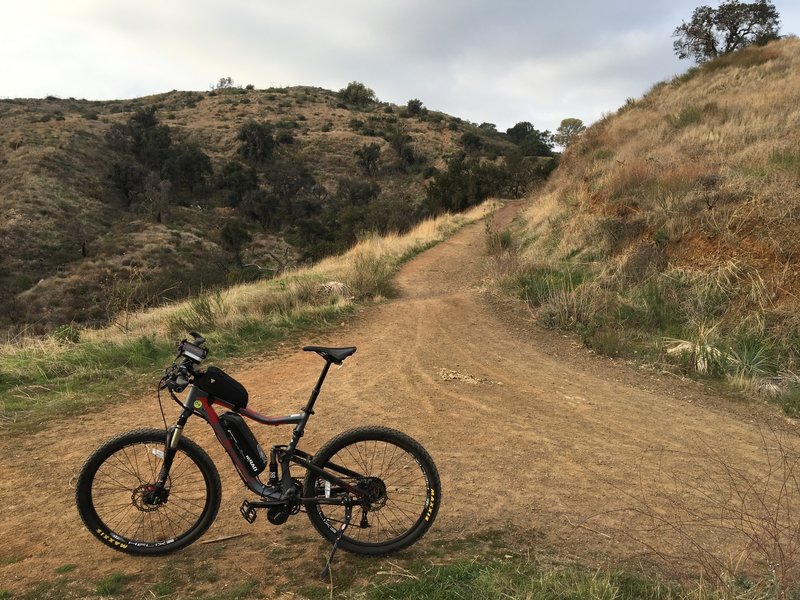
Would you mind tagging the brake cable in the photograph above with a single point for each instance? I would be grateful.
(159, 387)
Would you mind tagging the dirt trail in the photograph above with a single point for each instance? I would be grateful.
(531, 433)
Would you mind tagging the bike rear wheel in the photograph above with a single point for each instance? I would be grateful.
(113, 486)
(402, 476)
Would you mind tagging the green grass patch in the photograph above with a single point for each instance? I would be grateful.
(517, 578)
(37, 386)
(789, 401)
(786, 161)
(693, 114)
(113, 584)
(604, 154)
(538, 284)
(66, 568)
(653, 306)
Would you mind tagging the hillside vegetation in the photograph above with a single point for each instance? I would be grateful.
(78, 367)
(111, 206)
(671, 229)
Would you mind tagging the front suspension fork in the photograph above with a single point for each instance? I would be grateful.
(170, 450)
(174, 434)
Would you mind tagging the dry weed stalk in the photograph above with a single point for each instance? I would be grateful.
(737, 524)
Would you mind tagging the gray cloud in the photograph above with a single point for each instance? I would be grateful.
(503, 61)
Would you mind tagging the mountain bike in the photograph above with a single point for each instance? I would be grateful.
(369, 490)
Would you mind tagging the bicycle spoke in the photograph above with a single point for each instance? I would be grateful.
(406, 490)
(118, 494)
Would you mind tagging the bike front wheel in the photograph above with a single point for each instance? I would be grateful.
(115, 499)
(404, 488)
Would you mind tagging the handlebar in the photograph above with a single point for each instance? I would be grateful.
(181, 374)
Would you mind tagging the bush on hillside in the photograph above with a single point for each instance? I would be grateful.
(357, 94)
(256, 140)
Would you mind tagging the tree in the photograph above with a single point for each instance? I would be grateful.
(189, 165)
(357, 93)
(368, 157)
(257, 204)
(224, 83)
(151, 141)
(128, 177)
(465, 183)
(518, 132)
(236, 180)
(156, 194)
(732, 26)
(530, 140)
(414, 107)
(233, 237)
(257, 141)
(471, 141)
(569, 128)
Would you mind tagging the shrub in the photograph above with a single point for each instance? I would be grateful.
(256, 140)
(752, 357)
(357, 94)
(370, 276)
(189, 166)
(497, 242)
(368, 157)
(688, 116)
(471, 141)
(203, 313)
(68, 333)
(415, 107)
(606, 340)
(538, 284)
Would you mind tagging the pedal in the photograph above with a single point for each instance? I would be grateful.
(248, 512)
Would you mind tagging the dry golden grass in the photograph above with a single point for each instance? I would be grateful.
(62, 373)
(703, 171)
(296, 291)
(734, 151)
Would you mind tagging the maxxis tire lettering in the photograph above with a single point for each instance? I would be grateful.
(87, 512)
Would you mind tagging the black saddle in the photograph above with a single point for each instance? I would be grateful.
(334, 355)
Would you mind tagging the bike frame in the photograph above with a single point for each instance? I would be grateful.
(280, 489)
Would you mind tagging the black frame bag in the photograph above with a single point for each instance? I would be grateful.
(219, 384)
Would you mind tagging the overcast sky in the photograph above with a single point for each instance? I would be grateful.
(497, 61)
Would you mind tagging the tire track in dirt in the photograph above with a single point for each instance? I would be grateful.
(531, 434)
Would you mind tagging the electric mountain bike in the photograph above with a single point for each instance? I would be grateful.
(369, 490)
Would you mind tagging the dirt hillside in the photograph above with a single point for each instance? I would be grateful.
(532, 436)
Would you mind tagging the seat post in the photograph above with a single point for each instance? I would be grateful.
(315, 392)
(309, 409)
